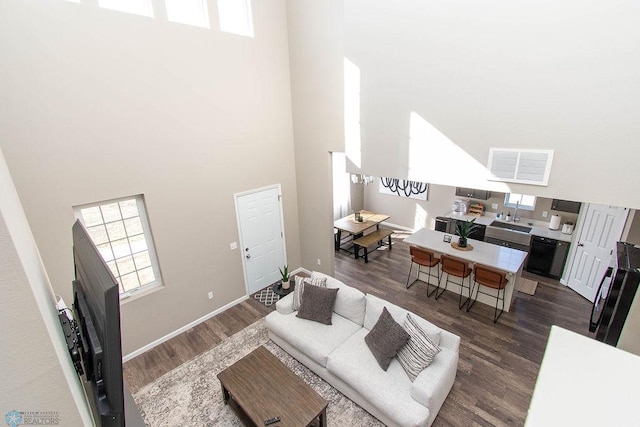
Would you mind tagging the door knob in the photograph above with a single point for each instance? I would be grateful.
(248, 256)
(580, 244)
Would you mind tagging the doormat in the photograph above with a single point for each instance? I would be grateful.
(267, 296)
(528, 286)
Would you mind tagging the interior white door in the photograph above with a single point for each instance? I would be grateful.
(601, 226)
(262, 237)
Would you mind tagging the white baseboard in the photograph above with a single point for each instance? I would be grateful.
(397, 227)
(300, 270)
(185, 328)
(196, 322)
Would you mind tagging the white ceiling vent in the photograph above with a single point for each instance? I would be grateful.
(521, 166)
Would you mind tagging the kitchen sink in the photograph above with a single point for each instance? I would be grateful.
(510, 226)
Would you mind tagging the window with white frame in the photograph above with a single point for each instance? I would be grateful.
(235, 17)
(520, 201)
(120, 230)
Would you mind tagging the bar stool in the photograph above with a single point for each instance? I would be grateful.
(455, 267)
(424, 258)
(491, 278)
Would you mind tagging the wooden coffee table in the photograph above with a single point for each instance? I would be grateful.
(263, 387)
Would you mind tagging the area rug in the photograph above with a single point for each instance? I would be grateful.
(267, 296)
(528, 286)
(190, 395)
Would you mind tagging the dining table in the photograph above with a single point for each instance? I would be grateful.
(354, 228)
(509, 260)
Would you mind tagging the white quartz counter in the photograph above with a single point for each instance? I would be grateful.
(500, 257)
(539, 228)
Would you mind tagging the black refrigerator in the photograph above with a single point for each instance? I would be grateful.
(616, 294)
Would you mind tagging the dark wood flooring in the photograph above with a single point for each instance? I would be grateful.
(498, 362)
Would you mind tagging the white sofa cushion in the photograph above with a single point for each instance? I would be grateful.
(350, 302)
(316, 340)
(432, 385)
(389, 391)
(374, 306)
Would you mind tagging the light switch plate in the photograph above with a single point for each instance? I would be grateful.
(494, 206)
(233, 245)
(545, 214)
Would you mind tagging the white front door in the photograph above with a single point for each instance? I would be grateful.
(261, 236)
(599, 228)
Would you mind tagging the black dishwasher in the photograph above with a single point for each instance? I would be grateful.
(541, 255)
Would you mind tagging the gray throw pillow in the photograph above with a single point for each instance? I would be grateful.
(419, 351)
(317, 304)
(299, 288)
(385, 339)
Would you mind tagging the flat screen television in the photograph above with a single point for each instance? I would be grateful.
(96, 307)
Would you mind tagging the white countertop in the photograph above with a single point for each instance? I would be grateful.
(539, 228)
(583, 382)
(500, 257)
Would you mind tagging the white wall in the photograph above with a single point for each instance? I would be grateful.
(98, 104)
(534, 74)
(35, 367)
(410, 213)
(316, 56)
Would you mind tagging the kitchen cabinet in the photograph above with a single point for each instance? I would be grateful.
(476, 234)
(506, 244)
(565, 206)
(473, 193)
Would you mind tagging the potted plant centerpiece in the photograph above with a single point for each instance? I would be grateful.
(284, 272)
(464, 229)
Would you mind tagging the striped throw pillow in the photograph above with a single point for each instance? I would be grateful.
(419, 351)
(300, 283)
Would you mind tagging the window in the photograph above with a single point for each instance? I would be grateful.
(235, 17)
(120, 230)
(190, 12)
(521, 201)
(136, 7)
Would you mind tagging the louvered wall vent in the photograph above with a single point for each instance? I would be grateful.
(521, 166)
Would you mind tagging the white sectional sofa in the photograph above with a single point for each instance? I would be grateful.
(338, 353)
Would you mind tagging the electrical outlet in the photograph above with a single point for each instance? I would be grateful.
(319, 263)
(494, 206)
(233, 245)
(544, 214)
(210, 295)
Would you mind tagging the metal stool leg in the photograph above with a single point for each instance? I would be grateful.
(409, 276)
(438, 295)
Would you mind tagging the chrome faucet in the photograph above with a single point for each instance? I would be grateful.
(515, 214)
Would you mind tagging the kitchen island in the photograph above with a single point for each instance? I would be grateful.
(506, 259)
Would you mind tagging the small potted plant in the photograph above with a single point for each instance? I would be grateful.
(464, 229)
(284, 272)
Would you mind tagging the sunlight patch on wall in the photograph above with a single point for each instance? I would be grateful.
(433, 157)
(189, 12)
(420, 217)
(136, 7)
(352, 139)
(235, 17)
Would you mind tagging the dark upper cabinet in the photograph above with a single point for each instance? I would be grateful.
(477, 233)
(565, 206)
(473, 193)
